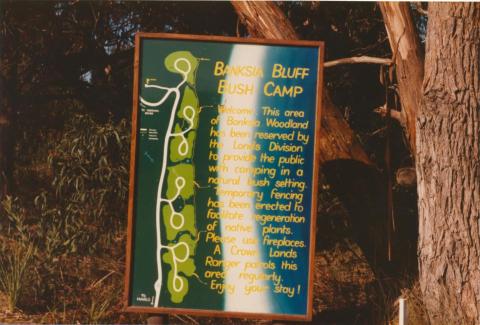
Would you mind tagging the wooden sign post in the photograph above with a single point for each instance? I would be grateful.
(224, 177)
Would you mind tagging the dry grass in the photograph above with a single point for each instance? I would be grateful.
(416, 312)
(14, 267)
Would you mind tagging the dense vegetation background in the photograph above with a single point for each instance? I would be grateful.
(66, 85)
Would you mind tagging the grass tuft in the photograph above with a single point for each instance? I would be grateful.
(13, 272)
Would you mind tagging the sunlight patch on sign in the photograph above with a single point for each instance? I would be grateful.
(243, 295)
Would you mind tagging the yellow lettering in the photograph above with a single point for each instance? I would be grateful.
(277, 70)
(218, 68)
(270, 89)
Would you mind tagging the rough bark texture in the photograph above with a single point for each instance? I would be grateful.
(448, 165)
(405, 45)
(6, 131)
(337, 140)
(4, 126)
(4, 159)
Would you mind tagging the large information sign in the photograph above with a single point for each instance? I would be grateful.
(223, 176)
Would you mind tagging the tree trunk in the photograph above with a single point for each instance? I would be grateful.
(405, 45)
(8, 85)
(4, 159)
(337, 140)
(4, 126)
(448, 165)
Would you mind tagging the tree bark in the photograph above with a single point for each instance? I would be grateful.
(448, 165)
(337, 141)
(7, 143)
(409, 62)
(4, 163)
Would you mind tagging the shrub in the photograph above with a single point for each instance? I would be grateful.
(72, 223)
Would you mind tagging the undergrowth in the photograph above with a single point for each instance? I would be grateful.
(62, 248)
(14, 267)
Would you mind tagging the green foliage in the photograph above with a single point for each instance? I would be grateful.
(16, 215)
(89, 189)
(90, 167)
(87, 199)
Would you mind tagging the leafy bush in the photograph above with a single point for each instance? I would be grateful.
(79, 219)
(90, 168)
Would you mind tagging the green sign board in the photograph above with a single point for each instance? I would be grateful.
(223, 176)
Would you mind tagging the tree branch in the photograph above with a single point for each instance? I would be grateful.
(337, 140)
(408, 57)
(396, 115)
(419, 8)
(358, 59)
